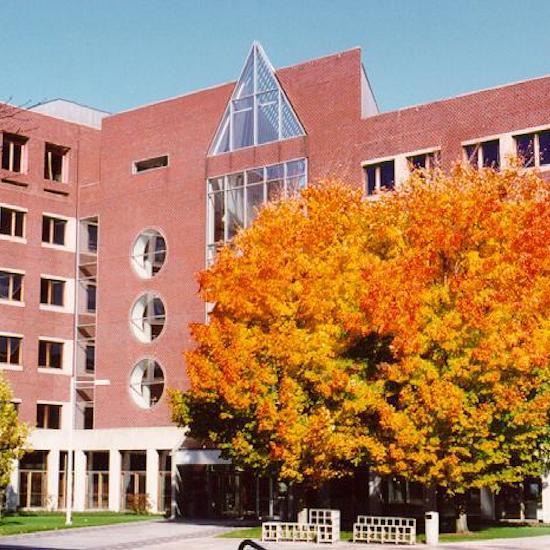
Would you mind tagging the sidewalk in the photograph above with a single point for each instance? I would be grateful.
(166, 535)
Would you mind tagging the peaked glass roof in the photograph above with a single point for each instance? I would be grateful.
(258, 111)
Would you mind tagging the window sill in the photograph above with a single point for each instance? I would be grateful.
(15, 303)
(8, 366)
(60, 247)
(53, 370)
(55, 309)
(13, 239)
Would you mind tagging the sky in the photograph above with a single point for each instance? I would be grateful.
(119, 54)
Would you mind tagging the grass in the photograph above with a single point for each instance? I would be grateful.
(483, 533)
(28, 522)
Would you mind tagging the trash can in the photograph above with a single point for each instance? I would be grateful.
(432, 528)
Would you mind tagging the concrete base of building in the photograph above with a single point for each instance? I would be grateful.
(119, 485)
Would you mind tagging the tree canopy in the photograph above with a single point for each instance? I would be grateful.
(409, 334)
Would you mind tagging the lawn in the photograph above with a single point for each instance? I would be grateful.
(14, 524)
(484, 533)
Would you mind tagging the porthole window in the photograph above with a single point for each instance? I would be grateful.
(148, 317)
(148, 253)
(147, 383)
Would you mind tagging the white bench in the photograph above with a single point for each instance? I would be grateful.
(314, 525)
(379, 529)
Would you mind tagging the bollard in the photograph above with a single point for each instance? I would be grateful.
(432, 528)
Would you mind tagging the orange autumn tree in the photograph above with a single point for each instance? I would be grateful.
(409, 334)
(274, 384)
(459, 280)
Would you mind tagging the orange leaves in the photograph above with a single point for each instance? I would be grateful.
(410, 334)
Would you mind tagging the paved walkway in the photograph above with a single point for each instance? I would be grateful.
(166, 535)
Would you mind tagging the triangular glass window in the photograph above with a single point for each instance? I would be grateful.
(259, 111)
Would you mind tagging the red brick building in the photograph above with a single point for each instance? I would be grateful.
(105, 219)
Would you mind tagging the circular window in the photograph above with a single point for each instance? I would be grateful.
(148, 317)
(148, 253)
(147, 383)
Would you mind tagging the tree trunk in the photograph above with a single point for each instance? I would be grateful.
(461, 518)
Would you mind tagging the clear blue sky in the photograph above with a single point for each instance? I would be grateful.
(117, 54)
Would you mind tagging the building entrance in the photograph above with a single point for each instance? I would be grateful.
(222, 491)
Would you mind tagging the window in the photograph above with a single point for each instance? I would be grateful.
(258, 111)
(10, 350)
(483, 155)
(48, 416)
(91, 289)
(33, 479)
(149, 164)
(234, 200)
(90, 357)
(50, 354)
(88, 419)
(13, 152)
(54, 162)
(12, 222)
(53, 230)
(91, 229)
(11, 286)
(380, 176)
(147, 383)
(148, 253)
(52, 292)
(401, 491)
(534, 149)
(423, 161)
(148, 317)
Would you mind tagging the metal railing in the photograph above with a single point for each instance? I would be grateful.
(250, 543)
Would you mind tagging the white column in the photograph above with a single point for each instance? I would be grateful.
(12, 490)
(114, 480)
(375, 494)
(53, 479)
(152, 479)
(487, 498)
(79, 481)
(546, 498)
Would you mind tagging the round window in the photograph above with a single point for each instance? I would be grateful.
(147, 383)
(148, 253)
(148, 317)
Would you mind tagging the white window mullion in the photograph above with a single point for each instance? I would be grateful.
(225, 211)
(280, 114)
(255, 96)
(536, 150)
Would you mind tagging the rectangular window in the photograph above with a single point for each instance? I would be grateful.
(11, 286)
(92, 237)
(53, 230)
(425, 161)
(10, 350)
(485, 154)
(55, 158)
(380, 176)
(50, 354)
(401, 491)
(13, 152)
(150, 164)
(12, 222)
(89, 417)
(48, 416)
(90, 357)
(52, 292)
(234, 199)
(534, 149)
(91, 297)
